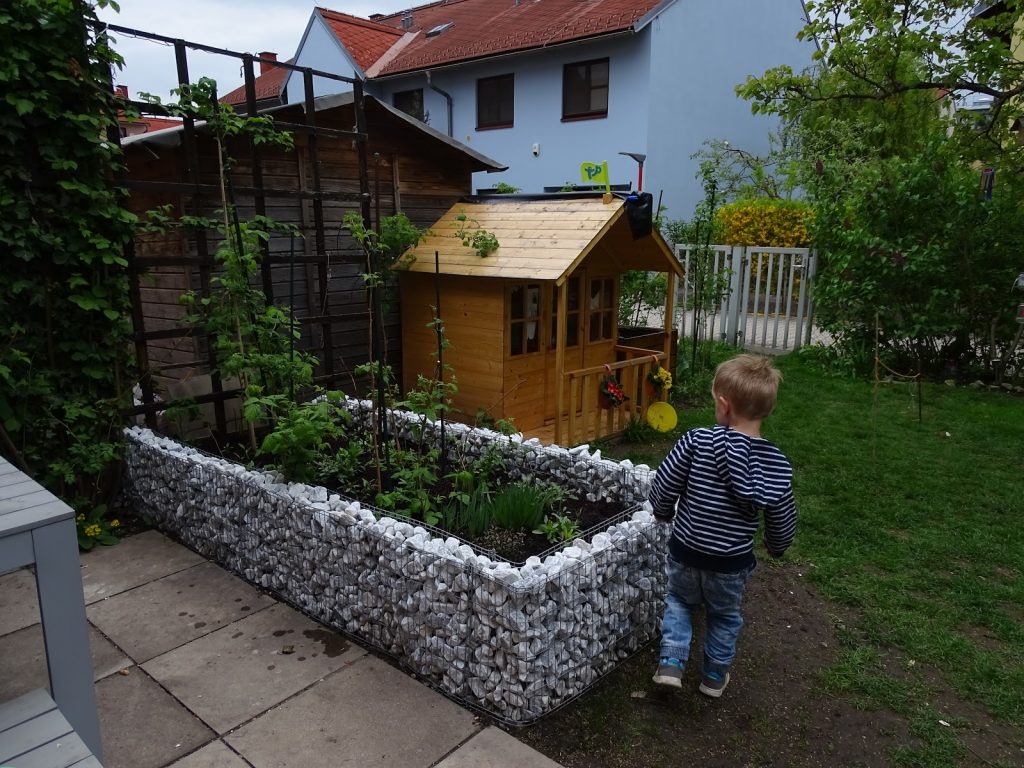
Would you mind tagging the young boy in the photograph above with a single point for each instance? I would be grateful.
(716, 483)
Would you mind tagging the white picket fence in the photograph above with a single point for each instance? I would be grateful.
(768, 305)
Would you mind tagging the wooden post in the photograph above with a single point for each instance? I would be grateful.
(561, 314)
(670, 306)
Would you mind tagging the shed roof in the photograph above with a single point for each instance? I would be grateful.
(173, 137)
(539, 239)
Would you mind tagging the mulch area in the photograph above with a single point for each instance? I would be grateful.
(773, 715)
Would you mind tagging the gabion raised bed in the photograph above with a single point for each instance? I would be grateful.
(516, 640)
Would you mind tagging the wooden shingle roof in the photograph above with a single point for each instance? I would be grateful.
(539, 239)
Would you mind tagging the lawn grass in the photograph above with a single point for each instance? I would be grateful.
(916, 528)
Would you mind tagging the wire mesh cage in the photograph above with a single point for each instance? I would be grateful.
(516, 640)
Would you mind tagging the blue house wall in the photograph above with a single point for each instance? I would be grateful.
(320, 49)
(562, 145)
(700, 51)
(671, 88)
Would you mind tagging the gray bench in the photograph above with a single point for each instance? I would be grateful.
(34, 734)
(38, 529)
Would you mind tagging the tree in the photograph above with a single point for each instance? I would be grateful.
(878, 51)
(914, 254)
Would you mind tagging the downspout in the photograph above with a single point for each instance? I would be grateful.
(447, 97)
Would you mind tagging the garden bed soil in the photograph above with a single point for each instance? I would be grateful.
(774, 713)
(591, 516)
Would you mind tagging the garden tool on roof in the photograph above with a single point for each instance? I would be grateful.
(639, 204)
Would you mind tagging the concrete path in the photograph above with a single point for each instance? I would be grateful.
(195, 668)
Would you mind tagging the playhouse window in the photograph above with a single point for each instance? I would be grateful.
(524, 319)
(572, 315)
(601, 306)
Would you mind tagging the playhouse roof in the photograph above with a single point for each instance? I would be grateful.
(539, 239)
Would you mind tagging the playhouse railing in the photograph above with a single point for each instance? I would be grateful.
(587, 418)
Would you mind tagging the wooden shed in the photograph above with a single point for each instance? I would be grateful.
(553, 278)
(411, 168)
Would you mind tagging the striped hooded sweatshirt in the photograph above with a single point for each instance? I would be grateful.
(717, 483)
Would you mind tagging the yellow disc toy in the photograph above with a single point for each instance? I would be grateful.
(661, 416)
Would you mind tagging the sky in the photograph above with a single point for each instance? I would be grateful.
(246, 26)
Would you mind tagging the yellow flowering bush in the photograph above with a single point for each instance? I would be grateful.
(775, 223)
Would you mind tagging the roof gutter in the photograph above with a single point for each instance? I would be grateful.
(447, 98)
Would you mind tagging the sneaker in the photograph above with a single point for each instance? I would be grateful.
(713, 684)
(670, 673)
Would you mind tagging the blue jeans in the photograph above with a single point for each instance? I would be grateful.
(721, 595)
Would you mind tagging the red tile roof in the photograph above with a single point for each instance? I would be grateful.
(158, 123)
(366, 40)
(489, 27)
(268, 86)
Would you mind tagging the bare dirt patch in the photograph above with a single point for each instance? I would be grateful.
(773, 715)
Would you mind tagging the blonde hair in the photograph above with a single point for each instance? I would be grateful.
(750, 383)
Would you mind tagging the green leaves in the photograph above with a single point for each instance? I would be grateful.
(65, 356)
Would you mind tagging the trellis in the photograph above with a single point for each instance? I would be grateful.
(200, 192)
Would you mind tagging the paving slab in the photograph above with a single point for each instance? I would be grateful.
(23, 660)
(19, 601)
(245, 668)
(214, 755)
(493, 748)
(142, 725)
(370, 715)
(163, 614)
(133, 561)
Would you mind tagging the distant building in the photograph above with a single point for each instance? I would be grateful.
(268, 85)
(133, 126)
(546, 86)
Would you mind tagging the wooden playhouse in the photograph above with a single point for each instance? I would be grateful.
(553, 278)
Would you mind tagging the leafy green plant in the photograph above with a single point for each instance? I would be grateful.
(485, 420)
(345, 468)
(254, 342)
(637, 431)
(66, 366)
(558, 528)
(301, 435)
(519, 506)
(470, 234)
(411, 492)
(94, 528)
(640, 293)
(505, 189)
(468, 508)
(431, 397)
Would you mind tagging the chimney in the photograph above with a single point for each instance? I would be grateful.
(264, 66)
(407, 20)
(122, 91)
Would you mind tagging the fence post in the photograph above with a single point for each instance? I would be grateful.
(737, 262)
(812, 270)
